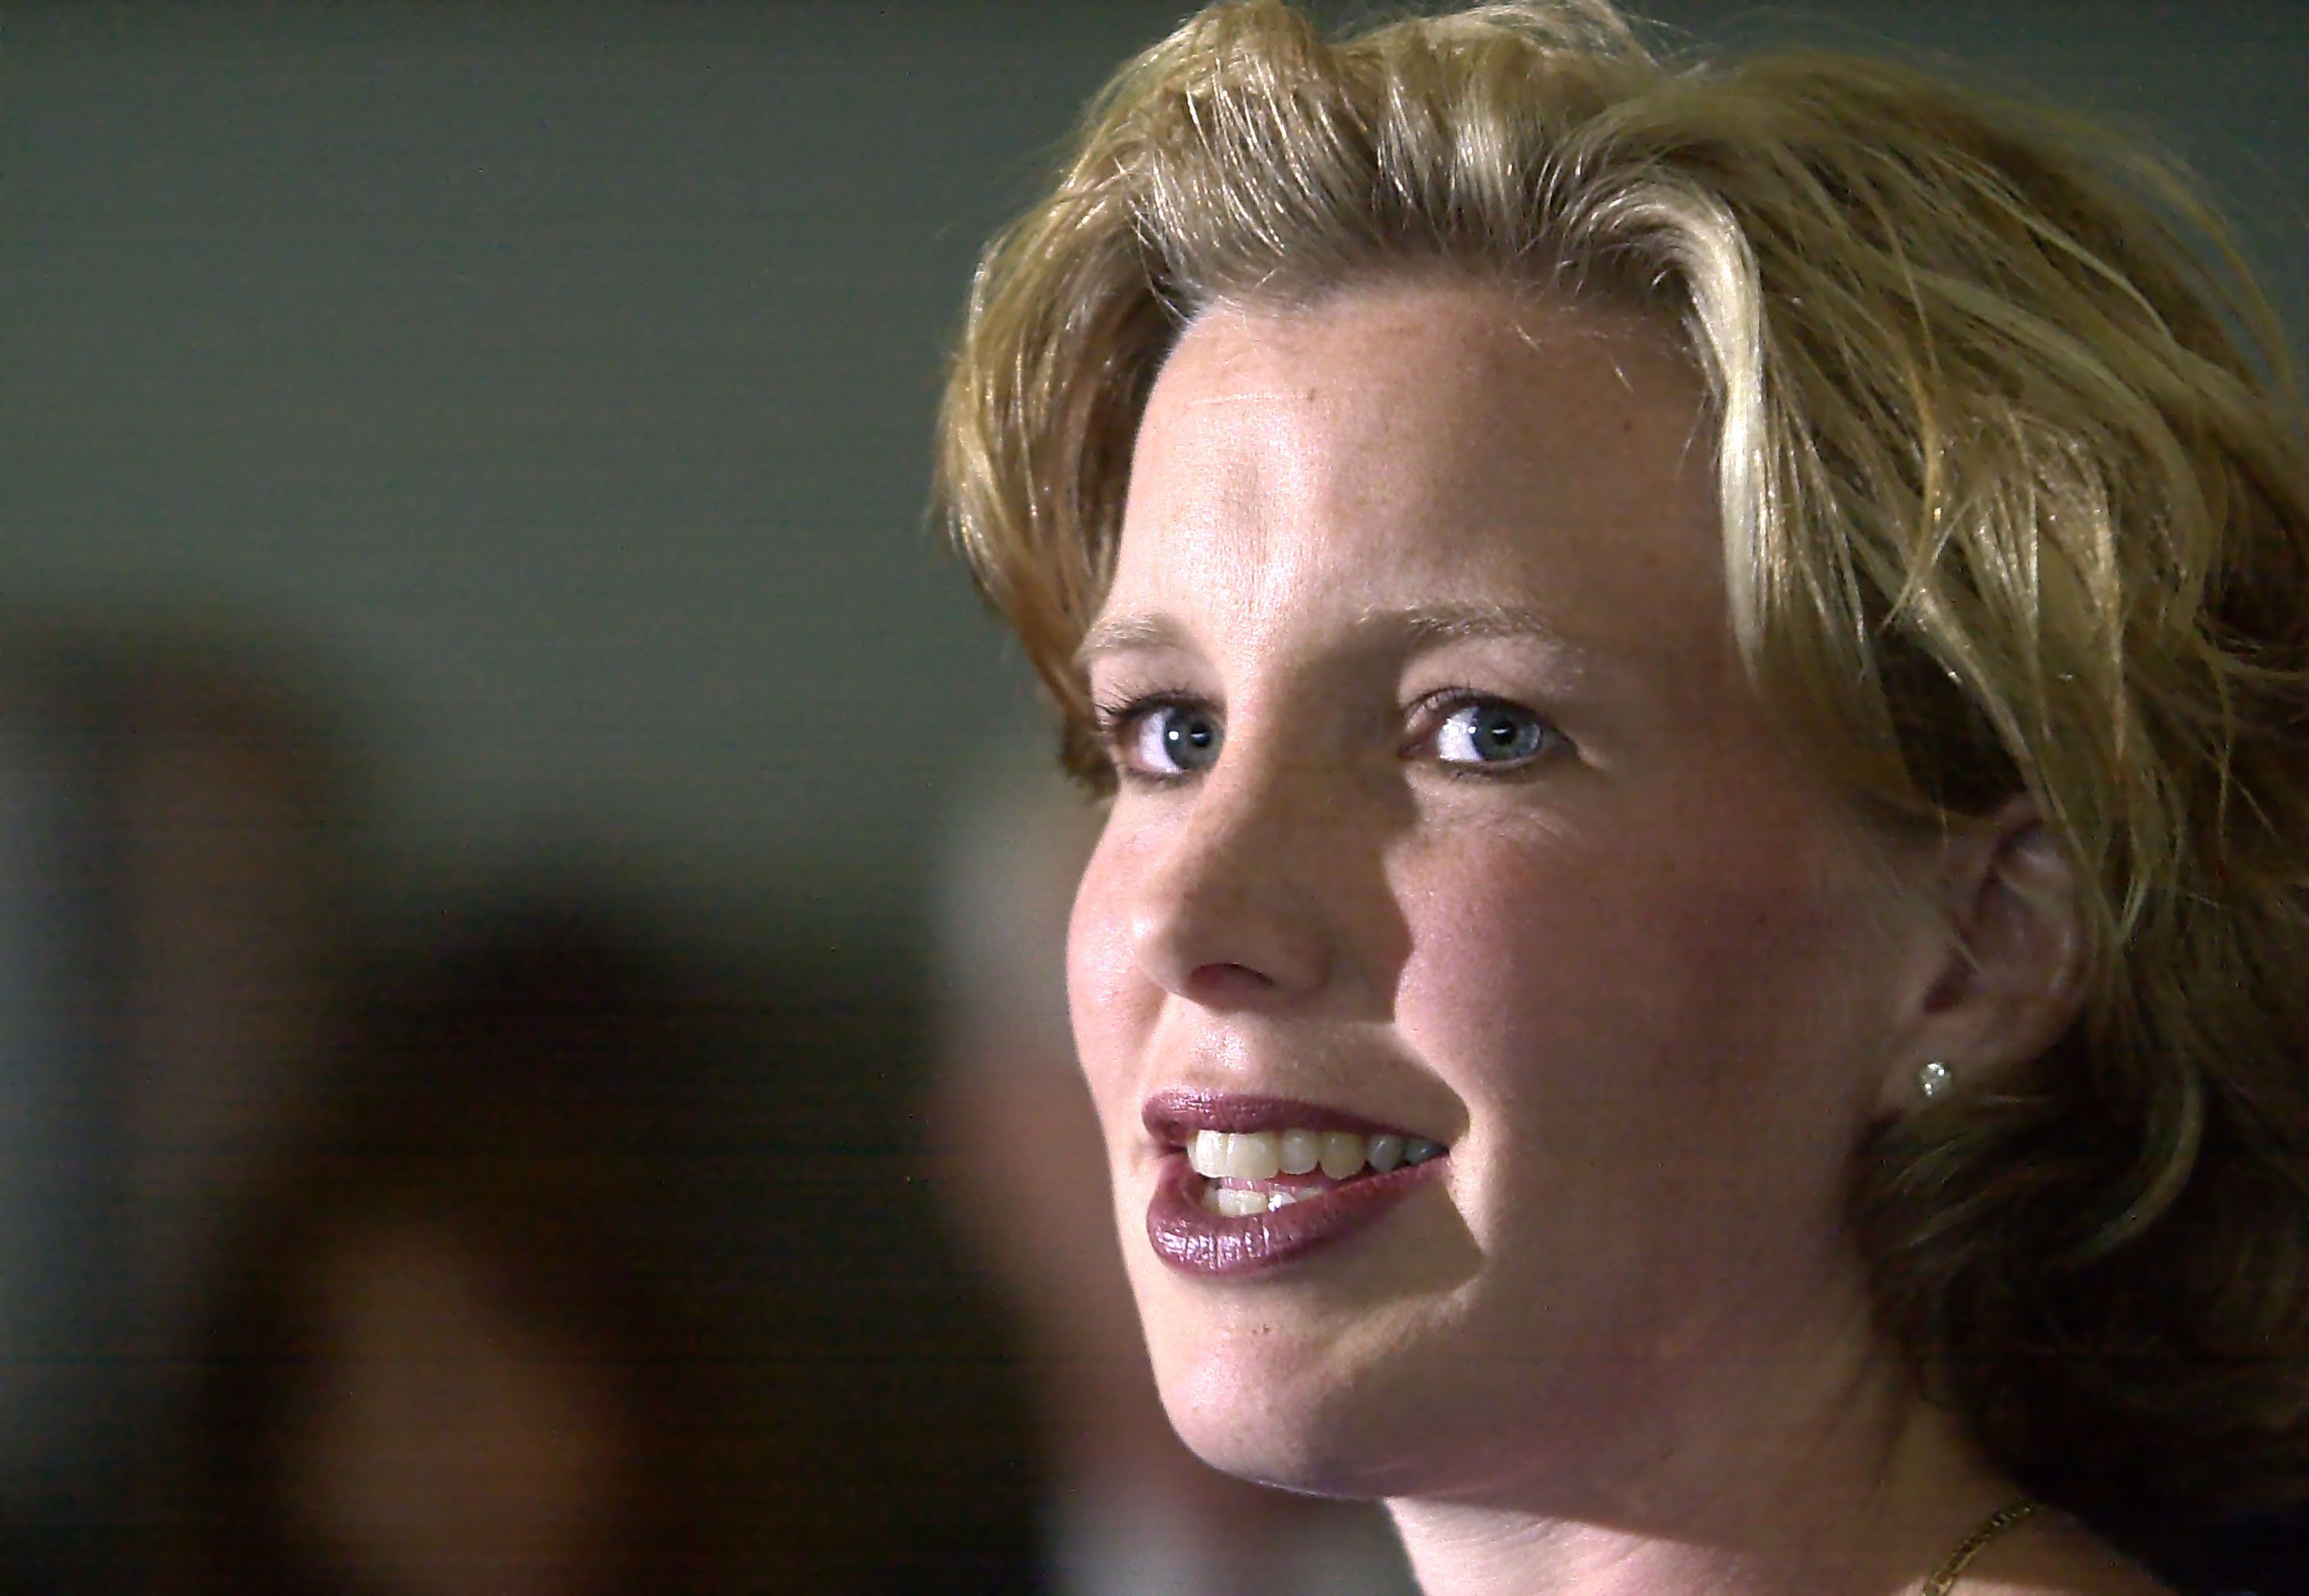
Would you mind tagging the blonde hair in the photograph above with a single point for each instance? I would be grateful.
(2014, 500)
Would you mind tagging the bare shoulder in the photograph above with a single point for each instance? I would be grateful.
(2057, 1557)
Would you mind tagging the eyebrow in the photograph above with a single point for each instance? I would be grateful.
(1430, 624)
(1123, 633)
(1451, 623)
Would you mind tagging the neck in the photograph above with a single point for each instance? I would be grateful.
(1863, 1491)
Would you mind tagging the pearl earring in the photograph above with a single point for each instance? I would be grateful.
(1933, 1079)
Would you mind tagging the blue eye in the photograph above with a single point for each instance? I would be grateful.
(1171, 739)
(1491, 731)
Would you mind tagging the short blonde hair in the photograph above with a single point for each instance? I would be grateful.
(2014, 498)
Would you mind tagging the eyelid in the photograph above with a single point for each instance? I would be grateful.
(1111, 715)
(1429, 712)
(1117, 719)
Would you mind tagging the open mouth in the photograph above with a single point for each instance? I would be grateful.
(1247, 1172)
(1248, 1183)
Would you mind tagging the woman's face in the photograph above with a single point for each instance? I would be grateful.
(1447, 814)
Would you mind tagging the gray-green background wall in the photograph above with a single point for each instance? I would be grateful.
(557, 379)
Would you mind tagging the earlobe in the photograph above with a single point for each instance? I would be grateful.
(2013, 958)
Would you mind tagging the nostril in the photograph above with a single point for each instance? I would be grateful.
(1226, 939)
(1218, 983)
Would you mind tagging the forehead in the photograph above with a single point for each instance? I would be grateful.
(1425, 444)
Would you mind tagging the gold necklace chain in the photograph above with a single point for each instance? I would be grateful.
(1944, 1577)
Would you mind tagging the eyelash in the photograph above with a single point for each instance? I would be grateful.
(1431, 712)
(1116, 720)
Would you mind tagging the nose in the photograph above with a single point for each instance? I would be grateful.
(1232, 910)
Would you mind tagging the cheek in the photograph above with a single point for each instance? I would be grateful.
(1649, 1098)
(1107, 994)
(1609, 998)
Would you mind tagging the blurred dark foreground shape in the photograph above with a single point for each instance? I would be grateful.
(597, 1278)
(171, 875)
(540, 1243)
(447, 1353)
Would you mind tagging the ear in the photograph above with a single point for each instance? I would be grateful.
(2008, 975)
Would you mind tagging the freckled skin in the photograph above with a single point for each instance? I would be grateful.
(1642, 988)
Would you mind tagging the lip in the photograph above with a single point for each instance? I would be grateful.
(1192, 1239)
(1171, 1116)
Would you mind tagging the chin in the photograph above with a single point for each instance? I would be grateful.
(1275, 1433)
(1346, 1372)
(1286, 1399)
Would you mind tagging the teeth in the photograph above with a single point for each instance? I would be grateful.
(1241, 1204)
(1280, 1199)
(1343, 1154)
(1262, 1155)
(1256, 1155)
